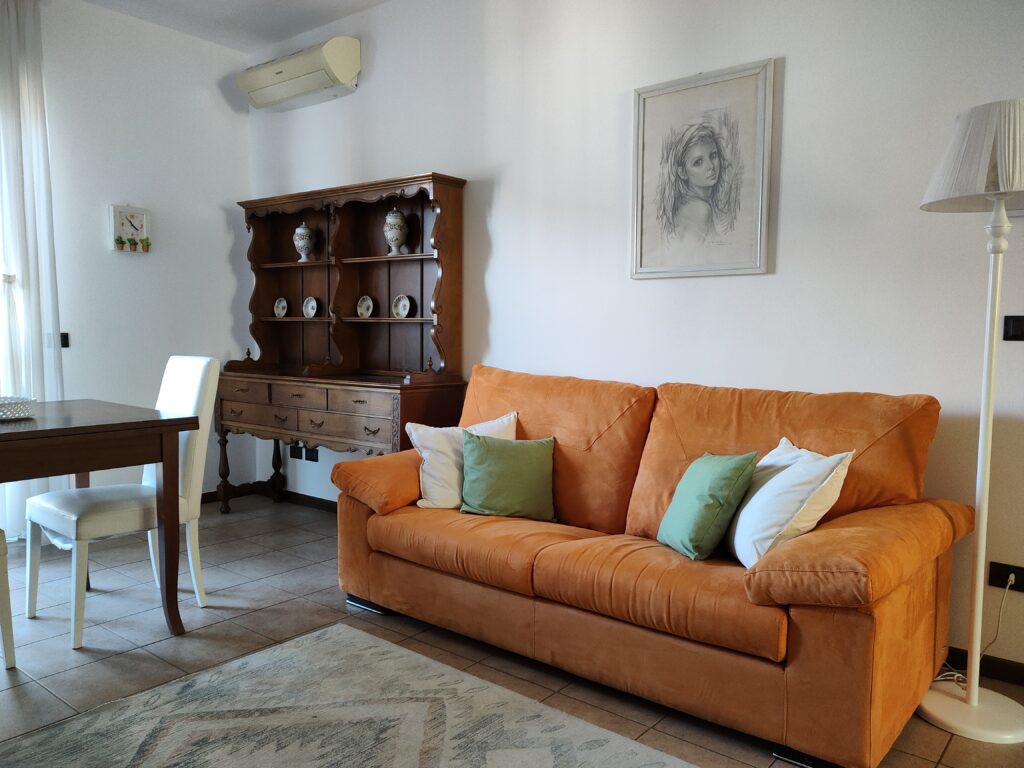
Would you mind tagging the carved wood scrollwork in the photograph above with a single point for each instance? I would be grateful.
(396, 423)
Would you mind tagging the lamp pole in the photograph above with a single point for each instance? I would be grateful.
(998, 228)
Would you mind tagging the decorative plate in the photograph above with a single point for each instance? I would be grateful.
(13, 408)
(281, 307)
(309, 307)
(400, 306)
(364, 307)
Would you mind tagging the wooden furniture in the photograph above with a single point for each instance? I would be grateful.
(76, 437)
(337, 380)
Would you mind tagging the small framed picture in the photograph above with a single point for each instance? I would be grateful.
(130, 228)
(701, 174)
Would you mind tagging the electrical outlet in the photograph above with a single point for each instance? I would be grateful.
(312, 454)
(999, 574)
(1013, 328)
(295, 451)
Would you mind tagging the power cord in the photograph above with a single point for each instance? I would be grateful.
(957, 677)
(999, 623)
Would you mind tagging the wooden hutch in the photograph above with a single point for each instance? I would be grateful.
(338, 380)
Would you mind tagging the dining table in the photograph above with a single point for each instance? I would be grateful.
(76, 437)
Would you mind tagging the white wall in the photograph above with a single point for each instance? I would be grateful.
(532, 103)
(137, 115)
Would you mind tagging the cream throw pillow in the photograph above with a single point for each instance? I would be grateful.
(441, 451)
(791, 491)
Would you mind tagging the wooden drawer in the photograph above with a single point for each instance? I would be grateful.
(243, 391)
(365, 429)
(298, 395)
(264, 415)
(370, 402)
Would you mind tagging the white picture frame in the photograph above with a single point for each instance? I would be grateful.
(702, 170)
(128, 221)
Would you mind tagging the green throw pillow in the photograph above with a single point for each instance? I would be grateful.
(705, 502)
(511, 478)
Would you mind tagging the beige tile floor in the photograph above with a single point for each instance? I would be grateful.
(270, 573)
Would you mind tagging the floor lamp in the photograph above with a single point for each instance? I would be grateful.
(983, 170)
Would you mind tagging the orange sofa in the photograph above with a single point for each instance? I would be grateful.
(826, 645)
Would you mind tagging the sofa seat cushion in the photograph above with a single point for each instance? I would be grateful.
(643, 582)
(499, 551)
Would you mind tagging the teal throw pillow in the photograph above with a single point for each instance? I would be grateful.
(705, 501)
(511, 478)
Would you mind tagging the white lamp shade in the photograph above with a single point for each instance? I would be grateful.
(985, 158)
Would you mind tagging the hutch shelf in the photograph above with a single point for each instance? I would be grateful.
(337, 380)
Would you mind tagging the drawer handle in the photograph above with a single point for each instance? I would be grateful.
(358, 402)
(235, 412)
(297, 394)
(316, 424)
(371, 432)
(241, 389)
(280, 419)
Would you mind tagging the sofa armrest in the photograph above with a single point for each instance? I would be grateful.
(859, 558)
(383, 483)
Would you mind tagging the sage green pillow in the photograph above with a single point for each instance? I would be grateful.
(511, 478)
(705, 501)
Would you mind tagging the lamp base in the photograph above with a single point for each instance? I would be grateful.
(996, 719)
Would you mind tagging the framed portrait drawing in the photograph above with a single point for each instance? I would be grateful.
(701, 172)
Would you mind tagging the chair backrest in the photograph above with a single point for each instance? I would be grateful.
(189, 386)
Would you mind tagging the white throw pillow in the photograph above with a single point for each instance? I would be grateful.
(441, 451)
(790, 492)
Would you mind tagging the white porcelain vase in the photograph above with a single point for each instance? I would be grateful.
(396, 230)
(303, 240)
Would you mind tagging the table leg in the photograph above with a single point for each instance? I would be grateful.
(276, 479)
(167, 519)
(224, 487)
(81, 480)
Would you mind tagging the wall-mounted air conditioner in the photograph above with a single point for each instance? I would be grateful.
(310, 76)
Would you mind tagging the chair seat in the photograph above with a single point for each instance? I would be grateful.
(82, 514)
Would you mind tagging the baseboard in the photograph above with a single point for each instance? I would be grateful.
(310, 501)
(289, 496)
(991, 666)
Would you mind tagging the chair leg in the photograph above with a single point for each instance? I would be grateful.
(33, 542)
(79, 572)
(6, 624)
(192, 534)
(154, 554)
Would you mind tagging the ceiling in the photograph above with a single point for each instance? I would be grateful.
(245, 25)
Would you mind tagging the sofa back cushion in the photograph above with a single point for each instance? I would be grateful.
(890, 435)
(599, 429)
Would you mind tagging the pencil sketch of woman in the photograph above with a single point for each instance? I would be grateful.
(699, 185)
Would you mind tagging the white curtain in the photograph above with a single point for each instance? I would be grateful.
(30, 363)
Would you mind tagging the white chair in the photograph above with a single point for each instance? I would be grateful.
(6, 625)
(73, 518)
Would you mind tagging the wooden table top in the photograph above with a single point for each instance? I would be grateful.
(79, 417)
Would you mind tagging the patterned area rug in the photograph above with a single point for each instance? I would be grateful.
(337, 697)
